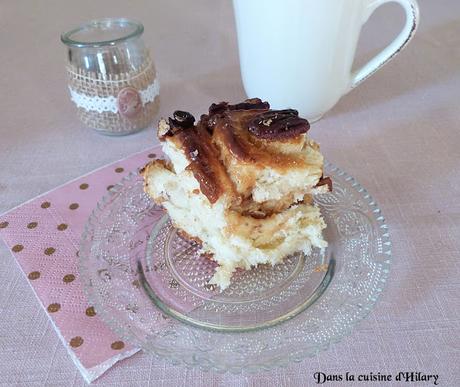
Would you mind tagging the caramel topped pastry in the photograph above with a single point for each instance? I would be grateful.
(241, 181)
(273, 167)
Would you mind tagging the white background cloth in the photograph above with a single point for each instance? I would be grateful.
(398, 134)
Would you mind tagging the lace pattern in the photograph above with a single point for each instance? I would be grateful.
(109, 104)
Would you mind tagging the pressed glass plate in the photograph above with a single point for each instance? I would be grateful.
(151, 286)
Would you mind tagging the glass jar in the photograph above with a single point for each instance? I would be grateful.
(112, 79)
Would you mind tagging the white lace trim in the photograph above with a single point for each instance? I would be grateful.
(149, 94)
(109, 104)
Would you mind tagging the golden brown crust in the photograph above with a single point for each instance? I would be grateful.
(146, 170)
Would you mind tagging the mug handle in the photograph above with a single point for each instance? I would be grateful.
(389, 52)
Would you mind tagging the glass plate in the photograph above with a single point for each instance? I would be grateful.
(151, 286)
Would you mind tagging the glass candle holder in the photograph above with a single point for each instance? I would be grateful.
(111, 76)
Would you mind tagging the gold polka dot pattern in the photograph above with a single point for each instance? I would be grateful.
(117, 345)
(76, 341)
(68, 278)
(62, 227)
(49, 250)
(53, 308)
(34, 275)
(17, 248)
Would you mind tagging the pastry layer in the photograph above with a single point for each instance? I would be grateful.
(234, 239)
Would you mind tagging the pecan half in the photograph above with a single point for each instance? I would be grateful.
(182, 119)
(278, 124)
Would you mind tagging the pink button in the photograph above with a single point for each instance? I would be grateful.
(129, 102)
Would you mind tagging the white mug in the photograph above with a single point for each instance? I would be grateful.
(299, 53)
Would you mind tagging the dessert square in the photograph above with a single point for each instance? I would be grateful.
(240, 182)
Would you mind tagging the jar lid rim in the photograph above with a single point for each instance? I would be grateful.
(107, 23)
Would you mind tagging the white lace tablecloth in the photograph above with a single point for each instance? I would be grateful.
(398, 134)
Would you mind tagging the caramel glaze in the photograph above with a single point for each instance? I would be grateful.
(248, 131)
(199, 150)
(251, 134)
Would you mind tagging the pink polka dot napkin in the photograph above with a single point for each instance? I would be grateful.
(43, 235)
